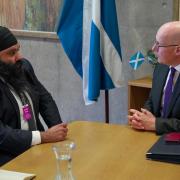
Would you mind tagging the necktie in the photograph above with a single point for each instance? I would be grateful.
(168, 91)
(28, 109)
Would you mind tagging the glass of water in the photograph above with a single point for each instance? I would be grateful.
(63, 151)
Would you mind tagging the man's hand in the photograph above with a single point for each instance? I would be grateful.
(55, 133)
(143, 120)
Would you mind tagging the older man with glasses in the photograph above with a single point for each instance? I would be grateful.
(161, 112)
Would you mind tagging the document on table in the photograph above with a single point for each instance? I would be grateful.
(13, 175)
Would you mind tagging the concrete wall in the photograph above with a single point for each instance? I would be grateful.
(138, 23)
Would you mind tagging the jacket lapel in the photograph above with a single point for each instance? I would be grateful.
(13, 101)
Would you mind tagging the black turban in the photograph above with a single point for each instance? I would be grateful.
(7, 39)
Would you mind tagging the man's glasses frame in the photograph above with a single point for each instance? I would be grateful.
(157, 45)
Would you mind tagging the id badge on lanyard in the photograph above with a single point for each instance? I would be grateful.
(26, 112)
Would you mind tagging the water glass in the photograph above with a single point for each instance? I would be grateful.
(63, 154)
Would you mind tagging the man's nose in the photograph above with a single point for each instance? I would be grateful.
(18, 57)
(154, 48)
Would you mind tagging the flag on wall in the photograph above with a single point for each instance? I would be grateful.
(136, 60)
(88, 31)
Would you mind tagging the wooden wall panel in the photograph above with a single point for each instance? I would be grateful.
(36, 15)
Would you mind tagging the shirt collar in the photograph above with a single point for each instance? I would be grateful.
(177, 68)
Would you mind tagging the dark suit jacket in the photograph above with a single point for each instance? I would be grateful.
(153, 104)
(13, 140)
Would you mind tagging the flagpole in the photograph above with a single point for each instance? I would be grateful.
(107, 106)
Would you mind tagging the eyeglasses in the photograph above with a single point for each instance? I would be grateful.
(157, 45)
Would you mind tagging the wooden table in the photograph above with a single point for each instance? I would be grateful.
(103, 152)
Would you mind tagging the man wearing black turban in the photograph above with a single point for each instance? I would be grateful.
(22, 99)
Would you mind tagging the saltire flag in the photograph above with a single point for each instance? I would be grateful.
(88, 31)
(136, 60)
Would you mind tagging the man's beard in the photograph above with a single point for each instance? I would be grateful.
(13, 74)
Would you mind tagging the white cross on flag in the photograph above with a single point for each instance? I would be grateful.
(136, 60)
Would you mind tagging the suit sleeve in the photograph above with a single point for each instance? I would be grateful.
(14, 141)
(148, 103)
(47, 106)
(166, 125)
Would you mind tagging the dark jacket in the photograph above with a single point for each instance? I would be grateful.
(13, 140)
(153, 104)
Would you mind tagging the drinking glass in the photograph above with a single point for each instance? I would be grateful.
(63, 154)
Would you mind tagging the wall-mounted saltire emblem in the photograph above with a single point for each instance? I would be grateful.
(136, 60)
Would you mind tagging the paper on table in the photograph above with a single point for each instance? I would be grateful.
(12, 175)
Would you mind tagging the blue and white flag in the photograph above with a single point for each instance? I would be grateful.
(88, 31)
(136, 60)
